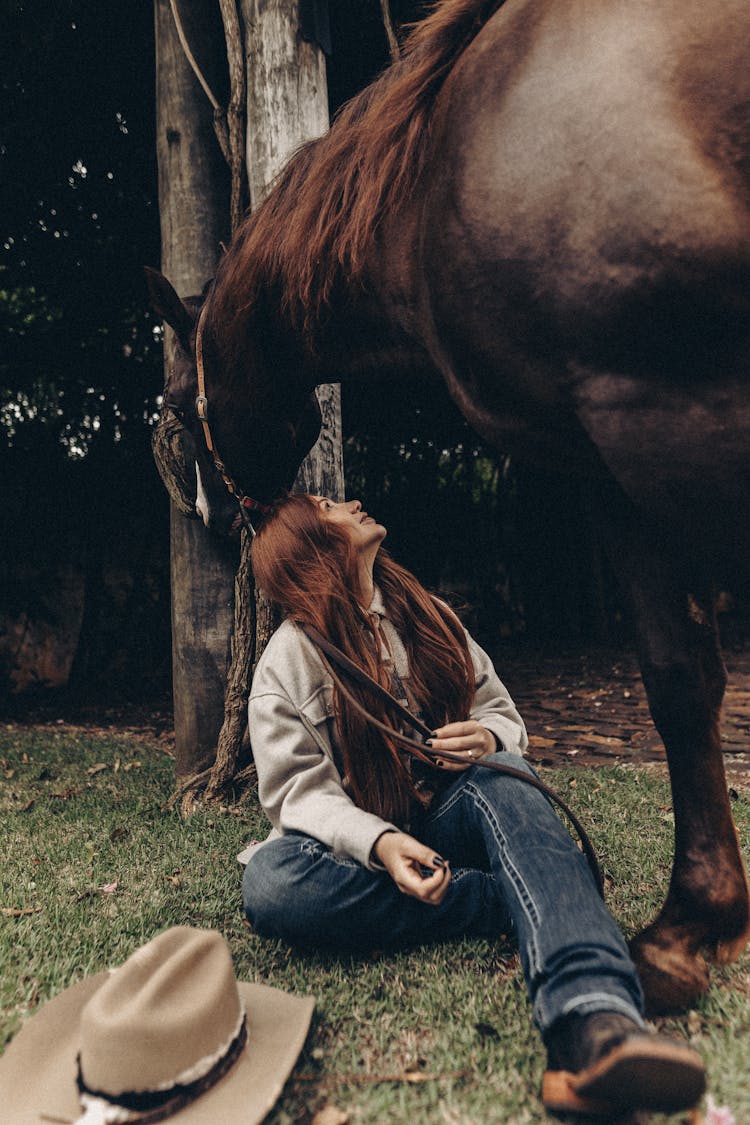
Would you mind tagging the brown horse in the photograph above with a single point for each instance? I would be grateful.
(546, 203)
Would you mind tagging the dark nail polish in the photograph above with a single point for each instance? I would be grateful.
(428, 742)
(437, 861)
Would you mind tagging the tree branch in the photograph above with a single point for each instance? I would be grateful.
(393, 46)
(236, 108)
(220, 117)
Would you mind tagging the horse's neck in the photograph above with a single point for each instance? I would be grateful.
(365, 340)
(360, 360)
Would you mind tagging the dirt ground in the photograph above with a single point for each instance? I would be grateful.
(590, 708)
(585, 708)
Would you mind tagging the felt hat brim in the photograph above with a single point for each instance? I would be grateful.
(38, 1069)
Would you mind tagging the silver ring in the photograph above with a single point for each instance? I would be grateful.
(470, 753)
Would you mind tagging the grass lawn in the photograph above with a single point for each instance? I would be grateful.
(93, 867)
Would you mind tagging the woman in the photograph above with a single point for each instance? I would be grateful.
(372, 848)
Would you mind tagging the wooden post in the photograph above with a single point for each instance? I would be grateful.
(193, 207)
(287, 104)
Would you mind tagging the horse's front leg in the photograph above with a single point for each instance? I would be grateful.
(707, 904)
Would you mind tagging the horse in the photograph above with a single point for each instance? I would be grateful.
(545, 204)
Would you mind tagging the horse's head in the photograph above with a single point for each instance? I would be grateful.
(260, 430)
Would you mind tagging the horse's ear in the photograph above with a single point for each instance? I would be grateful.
(167, 305)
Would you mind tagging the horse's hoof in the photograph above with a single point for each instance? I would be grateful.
(732, 946)
(672, 979)
(725, 952)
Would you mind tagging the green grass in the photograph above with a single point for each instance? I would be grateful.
(450, 1024)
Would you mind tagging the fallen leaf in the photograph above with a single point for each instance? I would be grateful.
(131, 766)
(71, 791)
(98, 768)
(29, 805)
(89, 892)
(18, 912)
(718, 1114)
(330, 1115)
(173, 879)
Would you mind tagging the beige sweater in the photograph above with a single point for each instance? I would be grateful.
(296, 751)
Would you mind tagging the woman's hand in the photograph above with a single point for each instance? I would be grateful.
(404, 858)
(469, 739)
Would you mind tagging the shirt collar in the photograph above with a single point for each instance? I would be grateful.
(377, 605)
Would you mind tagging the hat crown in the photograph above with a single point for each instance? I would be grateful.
(163, 1017)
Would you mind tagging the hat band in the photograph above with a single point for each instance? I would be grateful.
(156, 1105)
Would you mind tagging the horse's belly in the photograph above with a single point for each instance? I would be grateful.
(588, 257)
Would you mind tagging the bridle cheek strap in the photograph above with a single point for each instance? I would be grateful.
(247, 503)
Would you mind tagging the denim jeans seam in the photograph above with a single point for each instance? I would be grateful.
(527, 901)
(445, 806)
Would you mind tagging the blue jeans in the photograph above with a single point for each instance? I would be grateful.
(515, 869)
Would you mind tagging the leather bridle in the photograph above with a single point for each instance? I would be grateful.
(247, 503)
(427, 753)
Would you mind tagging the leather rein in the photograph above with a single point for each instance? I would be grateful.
(427, 753)
(247, 503)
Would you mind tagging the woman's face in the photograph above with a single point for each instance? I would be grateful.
(363, 530)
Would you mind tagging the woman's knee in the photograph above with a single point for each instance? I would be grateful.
(501, 789)
(267, 885)
(508, 758)
(503, 758)
(295, 889)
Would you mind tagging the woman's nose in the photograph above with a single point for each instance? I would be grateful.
(356, 505)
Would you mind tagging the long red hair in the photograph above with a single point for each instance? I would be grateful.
(309, 567)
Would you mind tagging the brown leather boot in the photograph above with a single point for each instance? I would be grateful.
(605, 1063)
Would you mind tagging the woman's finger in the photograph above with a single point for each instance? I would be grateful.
(456, 745)
(452, 730)
(429, 888)
(452, 766)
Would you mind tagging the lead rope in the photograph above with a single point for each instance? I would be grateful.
(428, 754)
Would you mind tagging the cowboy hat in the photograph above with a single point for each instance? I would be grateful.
(170, 1034)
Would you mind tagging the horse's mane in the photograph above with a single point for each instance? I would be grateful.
(321, 216)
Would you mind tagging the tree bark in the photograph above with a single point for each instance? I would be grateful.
(193, 195)
(287, 92)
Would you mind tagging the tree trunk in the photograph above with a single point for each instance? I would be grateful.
(287, 105)
(193, 207)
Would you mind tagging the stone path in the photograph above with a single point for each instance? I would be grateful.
(591, 708)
